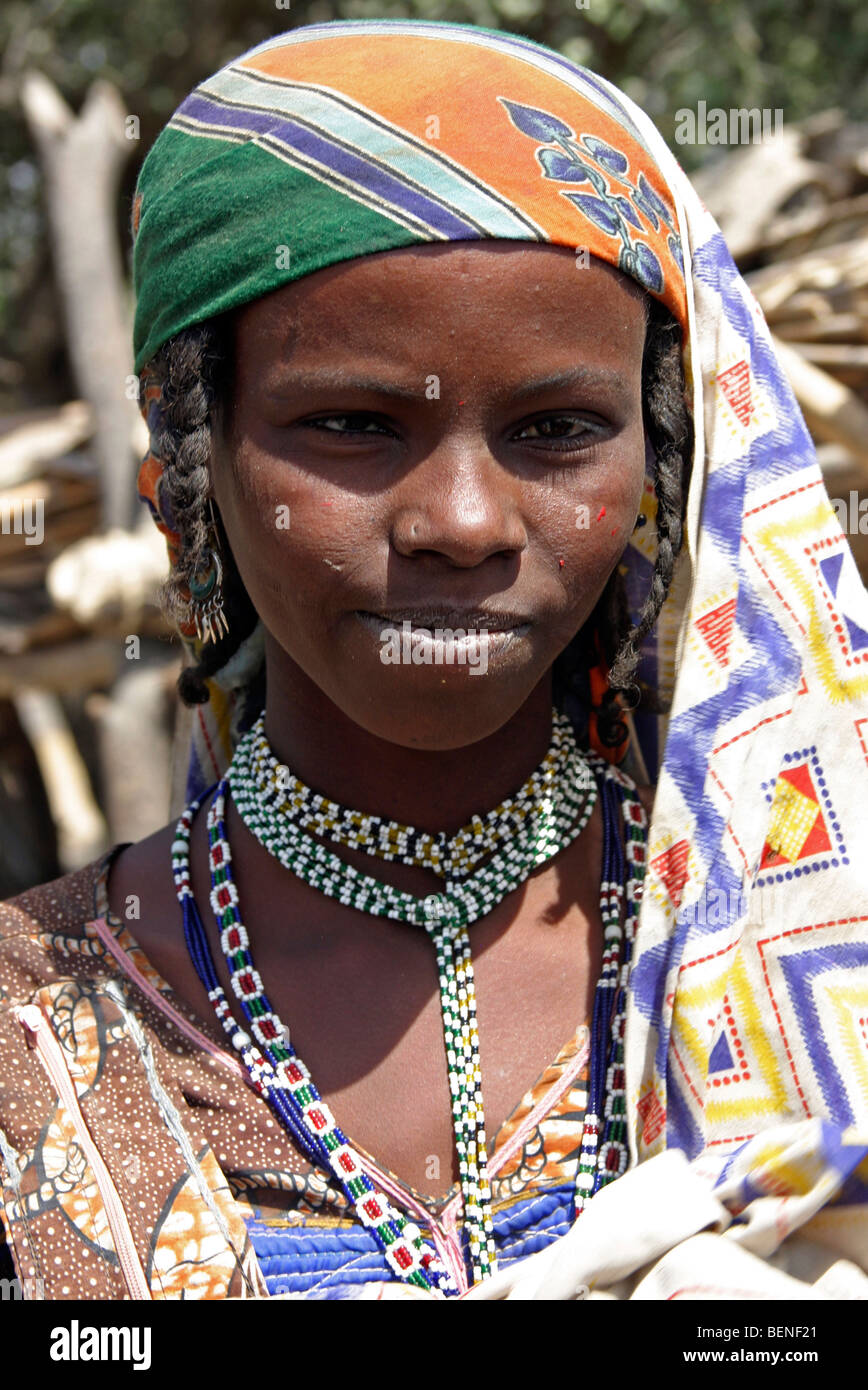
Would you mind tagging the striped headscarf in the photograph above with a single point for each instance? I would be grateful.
(749, 994)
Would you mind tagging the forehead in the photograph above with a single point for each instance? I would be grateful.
(511, 292)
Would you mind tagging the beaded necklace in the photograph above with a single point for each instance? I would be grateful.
(276, 1071)
(444, 854)
(280, 1076)
(558, 818)
(604, 1153)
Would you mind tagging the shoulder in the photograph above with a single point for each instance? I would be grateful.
(140, 869)
(43, 931)
(46, 932)
(141, 899)
(61, 900)
(646, 796)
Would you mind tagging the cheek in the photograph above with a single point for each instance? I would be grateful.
(595, 519)
(292, 535)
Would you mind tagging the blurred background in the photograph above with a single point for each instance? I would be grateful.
(91, 732)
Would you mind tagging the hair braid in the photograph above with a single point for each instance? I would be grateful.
(193, 369)
(669, 428)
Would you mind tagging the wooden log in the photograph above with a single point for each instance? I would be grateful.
(25, 572)
(45, 630)
(57, 495)
(831, 410)
(30, 441)
(819, 219)
(48, 629)
(135, 740)
(744, 190)
(82, 833)
(82, 158)
(118, 573)
(181, 744)
(73, 526)
(843, 328)
(825, 268)
(834, 355)
(68, 668)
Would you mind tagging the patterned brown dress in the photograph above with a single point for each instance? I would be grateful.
(136, 1160)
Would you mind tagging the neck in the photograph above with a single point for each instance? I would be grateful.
(431, 790)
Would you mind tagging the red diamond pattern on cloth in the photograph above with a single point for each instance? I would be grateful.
(716, 627)
(652, 1116)
(735, 385)
(671, 868)
(801, 818)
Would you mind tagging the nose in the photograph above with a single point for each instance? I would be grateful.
(459, 503)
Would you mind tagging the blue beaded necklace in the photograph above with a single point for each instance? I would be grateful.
(282, 1079)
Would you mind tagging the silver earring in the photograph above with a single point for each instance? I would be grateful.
(206, 590)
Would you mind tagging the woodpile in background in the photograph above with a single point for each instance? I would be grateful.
(88, 715)
(87, 672)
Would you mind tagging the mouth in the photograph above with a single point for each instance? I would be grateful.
(449, 619)
(446, 636)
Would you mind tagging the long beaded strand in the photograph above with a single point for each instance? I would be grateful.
(614, 1153)
(277, 1073)
(461, 1037)
(604, 1152)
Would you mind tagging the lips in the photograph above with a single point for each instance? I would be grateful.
(428, 619)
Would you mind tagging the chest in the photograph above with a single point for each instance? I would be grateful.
(360, 996)
(376, 1047)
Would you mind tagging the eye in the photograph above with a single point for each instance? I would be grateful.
(557, 438)
(346, 424)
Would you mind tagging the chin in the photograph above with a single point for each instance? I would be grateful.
(439, 710)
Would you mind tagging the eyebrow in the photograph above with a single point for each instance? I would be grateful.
(575, 376)
(341, 381)
(337, 380)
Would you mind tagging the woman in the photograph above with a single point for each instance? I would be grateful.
(430, 324)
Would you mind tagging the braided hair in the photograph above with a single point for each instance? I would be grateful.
(610, 630)
(194, 371)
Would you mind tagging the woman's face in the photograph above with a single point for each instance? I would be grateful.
(437, 438)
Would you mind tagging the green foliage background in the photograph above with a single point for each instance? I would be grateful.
(666, 54)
